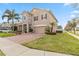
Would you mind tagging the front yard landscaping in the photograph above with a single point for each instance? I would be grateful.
(61, 42)
(7, 34)
(1, 53)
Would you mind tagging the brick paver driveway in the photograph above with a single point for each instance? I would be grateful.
(27, 37)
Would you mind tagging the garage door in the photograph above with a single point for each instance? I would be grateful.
(39, 29)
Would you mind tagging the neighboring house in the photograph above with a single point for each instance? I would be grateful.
(5, 27)
(38, 20)
(77, 24)
(6, 24)
(77, 27)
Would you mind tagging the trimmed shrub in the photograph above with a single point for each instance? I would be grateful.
(30, 30)
(51, 33)
(1, 31)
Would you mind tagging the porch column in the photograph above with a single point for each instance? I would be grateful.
(17, 27)
(27, 28)
(22, 29)
(27, 24)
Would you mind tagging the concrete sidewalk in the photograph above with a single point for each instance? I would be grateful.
(73, 35)
(11, 48)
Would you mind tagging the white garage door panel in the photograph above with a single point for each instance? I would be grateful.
(39, 29)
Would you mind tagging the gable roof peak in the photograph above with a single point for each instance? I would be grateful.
(41, 9)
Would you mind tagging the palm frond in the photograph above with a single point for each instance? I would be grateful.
(7, 12)
(17, 18)
(11, 15)
(16, 14)
(4, 16)
(8, 20)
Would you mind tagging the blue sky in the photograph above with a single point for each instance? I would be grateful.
(63, 12)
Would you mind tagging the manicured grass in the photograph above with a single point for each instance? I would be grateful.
(62, 43)
(1, 53)
(7, 34)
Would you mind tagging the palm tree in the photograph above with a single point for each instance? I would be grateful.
(74, 23)
(70, 25)
(11, 15)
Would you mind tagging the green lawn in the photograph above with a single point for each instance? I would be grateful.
(7, 34)
(62, 43)
(1, 53)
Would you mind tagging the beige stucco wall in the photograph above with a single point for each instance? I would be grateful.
(38, 26)
(28, 18)
(38, 13)
(42, 23)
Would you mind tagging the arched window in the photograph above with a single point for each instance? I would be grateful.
(24, 17)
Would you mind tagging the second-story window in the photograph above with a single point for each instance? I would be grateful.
(36, 18)
(24, 17)
(42, 17)
(45, 16)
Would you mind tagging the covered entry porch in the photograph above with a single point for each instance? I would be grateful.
(24, 28)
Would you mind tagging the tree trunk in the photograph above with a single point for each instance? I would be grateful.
(12, 25)
(74, 30)
(51, 29)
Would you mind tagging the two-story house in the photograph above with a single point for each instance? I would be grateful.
(38, 20)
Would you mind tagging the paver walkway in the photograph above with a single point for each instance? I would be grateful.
(11, 48)
(27, 37)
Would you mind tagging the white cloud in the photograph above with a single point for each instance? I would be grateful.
(75, 12)
(73, 5)
(67, 4)
(72, 16)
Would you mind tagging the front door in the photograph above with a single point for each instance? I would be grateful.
(20, 28)
(15, 28)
